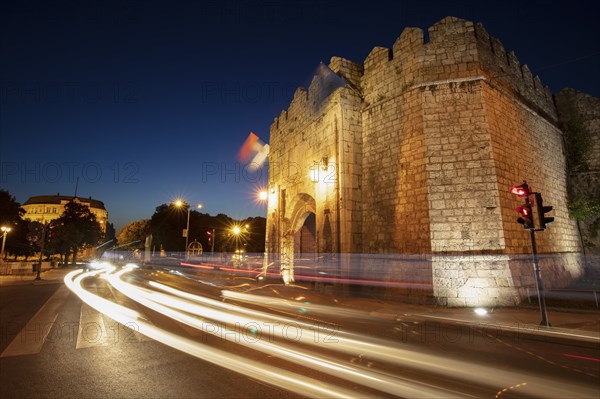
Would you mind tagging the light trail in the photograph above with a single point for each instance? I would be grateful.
(167, 306)
(217, 318)
(364, 345)
(262, 372)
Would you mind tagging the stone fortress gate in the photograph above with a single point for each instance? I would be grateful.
(401, 167)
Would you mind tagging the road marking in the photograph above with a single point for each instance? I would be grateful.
(92, 331)
(31, 338)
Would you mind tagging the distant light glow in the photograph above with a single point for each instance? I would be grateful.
(480, 311)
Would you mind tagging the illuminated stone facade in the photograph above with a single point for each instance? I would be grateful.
(415, 155)
(45, 208)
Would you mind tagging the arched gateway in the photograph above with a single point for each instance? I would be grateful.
(404, 170)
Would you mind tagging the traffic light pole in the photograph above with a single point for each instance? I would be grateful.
(532, 221)
(538, 281)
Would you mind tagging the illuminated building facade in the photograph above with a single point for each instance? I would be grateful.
(410, 162)
(46, 208)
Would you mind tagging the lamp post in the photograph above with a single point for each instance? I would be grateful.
(263, 196)
(181, 204)
(5, 230)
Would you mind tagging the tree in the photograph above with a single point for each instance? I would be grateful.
(110, 233)
(10, 210)
(134, 231)
(166, 224)
(62, 243)
(17, 243)
(81, 229)
(257, 231)
(11, 215)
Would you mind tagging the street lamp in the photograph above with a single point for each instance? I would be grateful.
(181, 204)
(5, 230)
(262, 195)
(238, 232)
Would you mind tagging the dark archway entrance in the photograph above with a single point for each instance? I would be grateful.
(305, 239)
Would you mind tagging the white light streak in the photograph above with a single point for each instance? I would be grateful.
(261, 372)
(246, 327)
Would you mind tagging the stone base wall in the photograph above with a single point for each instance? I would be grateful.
(557, 271)
(473, 280)
(405, 277)
(498, 280)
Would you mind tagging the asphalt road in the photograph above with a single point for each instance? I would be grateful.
(82, 353)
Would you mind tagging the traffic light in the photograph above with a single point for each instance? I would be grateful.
(521, 190)
(526, 218)
(540, 212)
(524, 210)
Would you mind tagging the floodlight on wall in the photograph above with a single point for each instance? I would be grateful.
(325, 163)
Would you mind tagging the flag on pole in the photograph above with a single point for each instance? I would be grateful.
(254, 151)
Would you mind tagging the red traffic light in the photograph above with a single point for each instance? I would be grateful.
(526, 218)
(521, 190)
(524, 210)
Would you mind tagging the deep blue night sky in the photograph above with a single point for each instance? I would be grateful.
(147, 101)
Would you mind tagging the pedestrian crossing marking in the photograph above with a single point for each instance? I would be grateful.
(31, 338)
(92, 331)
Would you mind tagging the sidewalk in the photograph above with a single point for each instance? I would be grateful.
(51, 276)
(565, 323)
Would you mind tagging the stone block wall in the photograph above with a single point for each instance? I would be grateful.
(424, 141)
(528, 146)
(473, 280)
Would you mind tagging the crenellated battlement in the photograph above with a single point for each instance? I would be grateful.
(326, 80)
(455, 49)
(423, 140)
(504, 69)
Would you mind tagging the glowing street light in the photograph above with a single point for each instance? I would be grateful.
(238, 232)
(262, 195)
(180, 204)
(5, 230)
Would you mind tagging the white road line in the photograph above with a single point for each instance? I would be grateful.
(130, 335)
(92, 331)
(31, 338)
